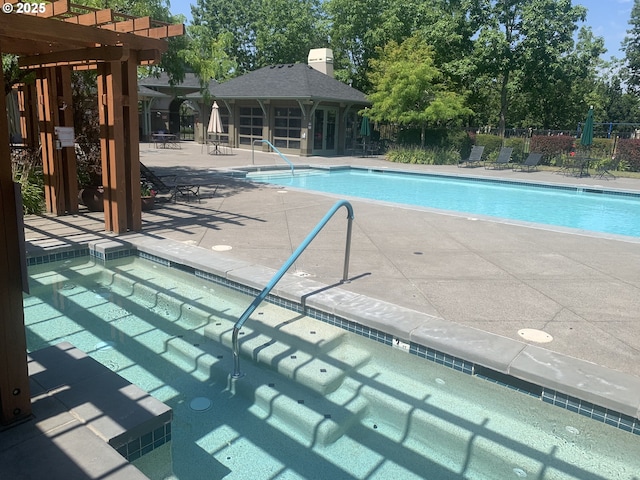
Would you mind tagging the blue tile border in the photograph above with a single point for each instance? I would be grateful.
(146, 443)
(57, 256)
(549, 396)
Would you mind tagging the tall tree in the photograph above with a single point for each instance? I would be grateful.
(358, 27)
(259, 33)
(519, 40)
(409, 89)
(631, 47)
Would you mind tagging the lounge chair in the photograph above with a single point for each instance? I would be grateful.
(169, 187)
(475, 157)
(604, 170)
(531, 162)
(172, 186)
(503, 160)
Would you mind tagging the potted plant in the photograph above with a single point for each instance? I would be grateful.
(147, 196)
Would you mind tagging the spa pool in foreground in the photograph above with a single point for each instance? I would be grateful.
(316, 402)
(586, 208)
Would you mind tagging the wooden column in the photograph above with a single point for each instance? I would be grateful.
(15, 401)
(132, 141)
(28, 104)
(117, 87)
(67, 154)
(58, 164)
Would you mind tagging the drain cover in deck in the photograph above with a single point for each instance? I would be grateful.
(533, 335)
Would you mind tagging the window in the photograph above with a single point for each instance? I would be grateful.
(287, 127)
(250, 125)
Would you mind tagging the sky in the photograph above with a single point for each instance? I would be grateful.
(607, 18)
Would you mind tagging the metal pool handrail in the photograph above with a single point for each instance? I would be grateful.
(275, 149)
(279, 274)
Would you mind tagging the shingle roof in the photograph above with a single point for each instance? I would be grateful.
(190, 81)
(295, 81)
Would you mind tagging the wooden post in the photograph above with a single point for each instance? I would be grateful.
(67, 155)
(112, 145)
(132, 141)
(58, 163)
(51, 168)
(15, 401)
(28, 104)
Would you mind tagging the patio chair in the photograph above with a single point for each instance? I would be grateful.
(475, 157)
(531, 163)
(503, 160)
(604, 170)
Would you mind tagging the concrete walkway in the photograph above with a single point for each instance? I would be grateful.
(581, 288)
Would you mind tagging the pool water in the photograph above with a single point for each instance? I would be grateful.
(574, 208)
(316, 402)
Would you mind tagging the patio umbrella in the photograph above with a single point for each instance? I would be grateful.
(215, 122)
(365, 128)
(586, 139)
(365, 131)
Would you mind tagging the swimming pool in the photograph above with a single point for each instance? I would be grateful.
(316, 402)
(586, 208)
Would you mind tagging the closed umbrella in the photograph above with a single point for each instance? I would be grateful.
(365, 131)
(586, 139)
(365, 128)
(215, 124)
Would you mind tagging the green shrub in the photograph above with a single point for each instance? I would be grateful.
(27, 171)
(628, 151)
(518, 145)
(491, 143)
(424, 156)
(552, 147)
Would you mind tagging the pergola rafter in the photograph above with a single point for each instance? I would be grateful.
(52, 43)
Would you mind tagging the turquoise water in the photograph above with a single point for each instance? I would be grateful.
(598, 212)
(316, 402)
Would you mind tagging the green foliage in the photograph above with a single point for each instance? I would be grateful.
(631, 47)
(520, 46)
(424, 156)
(27, 172)
(491, 143)
(628, 152)
(408, 89)
(254, 34)
(519, 145)
(551, 146)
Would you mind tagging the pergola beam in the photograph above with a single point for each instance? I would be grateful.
(83, 56)
(30, 28)
(98, 17)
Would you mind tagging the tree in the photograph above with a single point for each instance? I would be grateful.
(631, 47)
(409, 89)
(257, 32)
(358, 27)
(519, 41)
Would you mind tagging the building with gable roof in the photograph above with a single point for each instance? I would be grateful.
(296, 107)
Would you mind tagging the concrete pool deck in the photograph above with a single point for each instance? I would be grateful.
(494, 276)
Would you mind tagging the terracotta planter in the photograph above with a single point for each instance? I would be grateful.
(92, 198)
(147, 203)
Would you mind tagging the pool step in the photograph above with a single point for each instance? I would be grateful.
(305, 350)
(309, 417)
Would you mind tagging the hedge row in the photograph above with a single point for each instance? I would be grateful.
(628, 151)
(447, 147)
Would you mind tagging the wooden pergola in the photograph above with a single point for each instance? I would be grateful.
(54, 42)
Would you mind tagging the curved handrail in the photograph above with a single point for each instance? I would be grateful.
(280, 273)
(275, 149)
